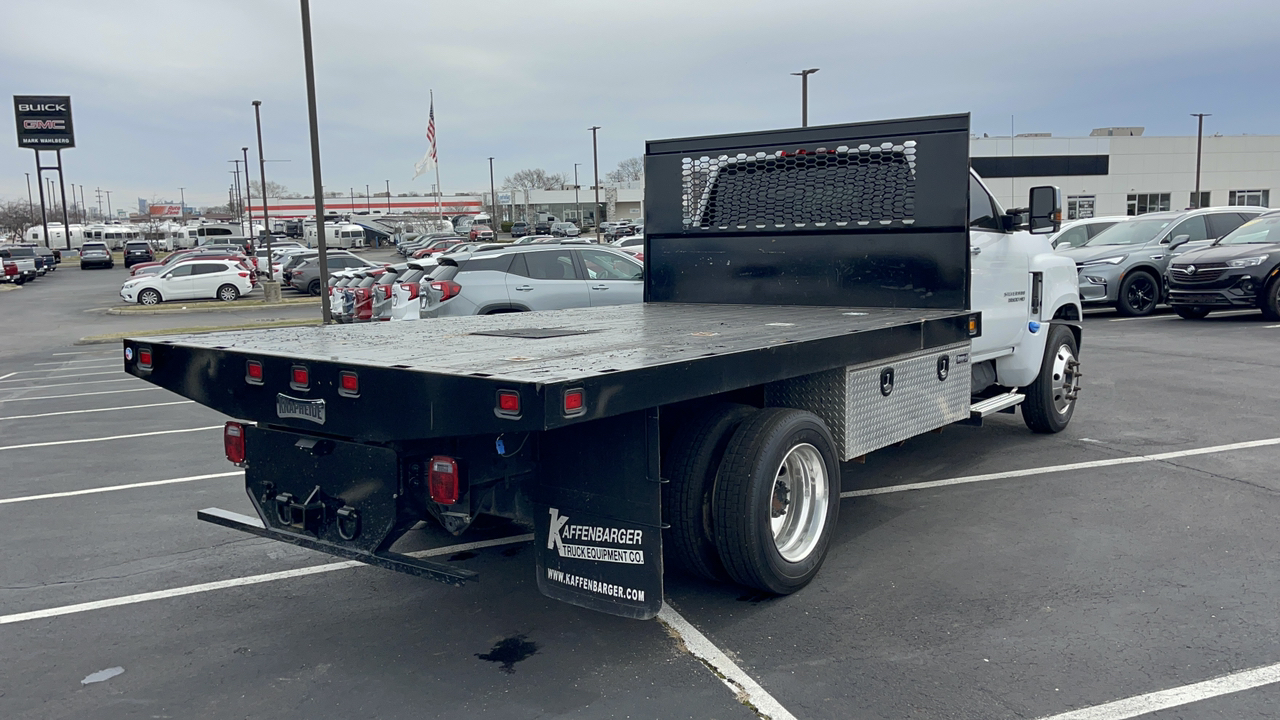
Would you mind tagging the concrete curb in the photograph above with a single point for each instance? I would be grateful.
(219, 307)
(116, 337)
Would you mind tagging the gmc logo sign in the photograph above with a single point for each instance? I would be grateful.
(52, 107)
(44, 125)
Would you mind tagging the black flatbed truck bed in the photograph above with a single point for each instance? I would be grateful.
(789, 273)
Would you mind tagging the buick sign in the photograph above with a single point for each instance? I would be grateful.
(44, 121)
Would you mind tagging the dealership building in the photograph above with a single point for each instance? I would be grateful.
(1120, 171)
(617, 201)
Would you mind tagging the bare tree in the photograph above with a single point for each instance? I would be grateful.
(630, 169)
(16, 216)
(274, 189)
(533, 179)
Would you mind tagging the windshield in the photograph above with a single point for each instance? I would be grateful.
(1130, 232)
(1263, 230)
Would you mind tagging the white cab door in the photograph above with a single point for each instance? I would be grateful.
(999, 275)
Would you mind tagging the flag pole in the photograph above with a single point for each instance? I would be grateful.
(439, 187)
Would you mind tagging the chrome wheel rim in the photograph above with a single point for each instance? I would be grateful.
(1141, 294)
(1066, 379)
(149, 298)
(228, 294)
(798, 502)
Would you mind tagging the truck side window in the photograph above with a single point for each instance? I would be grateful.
(982, 209)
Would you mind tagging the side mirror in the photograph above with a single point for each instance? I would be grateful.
(1179, 240)
(1045, 210)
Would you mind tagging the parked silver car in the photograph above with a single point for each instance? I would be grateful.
(1124, 265)
(535, 277)
(305, 276)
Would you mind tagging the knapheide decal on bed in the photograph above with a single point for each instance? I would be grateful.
(561, 531)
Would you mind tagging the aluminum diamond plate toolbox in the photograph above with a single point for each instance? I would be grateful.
(874, 405)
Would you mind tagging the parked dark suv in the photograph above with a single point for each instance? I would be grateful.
(1241, 270)
(137, 252)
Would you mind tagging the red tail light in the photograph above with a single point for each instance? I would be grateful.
(508, 402)
(144, 358)
(385, 291)
(575, 402)
(300, 378)
(411, 288)
(253, 372)
(243, 274)
(233, 442)
(348, 384)
(447, 288)
(442, 480)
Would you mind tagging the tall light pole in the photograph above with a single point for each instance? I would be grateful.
(248, 192)
(262, 173)
(577, 203)
(84, 208)
(182, 202)
(239, 196)
(493, 198)
(31, 203)
(595, 160)
(109, 213)
(98, 192)
(388, 197)
(368, 204)
(804, 94)
(315, 160)
(1199, 146)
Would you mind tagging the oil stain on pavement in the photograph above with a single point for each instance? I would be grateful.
(510, 651)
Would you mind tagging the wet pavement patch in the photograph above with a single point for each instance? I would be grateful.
(510, 651)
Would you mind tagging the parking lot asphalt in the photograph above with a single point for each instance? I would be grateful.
(1031, 576)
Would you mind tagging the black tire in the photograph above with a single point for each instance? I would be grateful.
(228, 293)
(1139, 294)
(314, 287)
(20, 281)
(746, 495)
(1049, 404)
(1191, 312)
(149, 297)
(1270, 301)
(689, 465)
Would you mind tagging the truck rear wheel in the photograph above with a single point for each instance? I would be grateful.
(690, 465)
(776, 500)
(1051, 398)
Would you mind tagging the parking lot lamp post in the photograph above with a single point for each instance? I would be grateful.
(595, 160)
(368, 206)
(84, 205)
(804, 94)
(388, 197)
(262, 173)
(109, 213)
(248, 193)
(577, 203)
(31, 203)
(493, 199)
(182, 202)
(317, 185)
(1199, 145)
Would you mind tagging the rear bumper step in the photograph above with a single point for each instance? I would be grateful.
(387, 560)
(1000, 403)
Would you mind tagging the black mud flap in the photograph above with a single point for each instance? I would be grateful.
(598, 526)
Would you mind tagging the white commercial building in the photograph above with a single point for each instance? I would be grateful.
(1119, 171)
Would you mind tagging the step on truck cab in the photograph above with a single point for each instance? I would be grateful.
(811, 295)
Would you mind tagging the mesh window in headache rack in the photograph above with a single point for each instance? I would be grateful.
(859, 185)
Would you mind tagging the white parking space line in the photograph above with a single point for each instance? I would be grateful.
(1062, 468)
(241, 581)
(76, 395)
(68, 362)
(82, 352)
(57, 377)
(114, 488)
(1229, 313)
(86, 382)
(2, 377)
(1173, 697)
(1273, 326)
(111, 437)
(97, 410)
(737, 680)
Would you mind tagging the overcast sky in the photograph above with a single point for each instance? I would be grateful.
(161, 91)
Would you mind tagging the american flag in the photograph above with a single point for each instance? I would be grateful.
(429, 160)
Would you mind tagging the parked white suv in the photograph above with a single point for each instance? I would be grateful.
(224, 280)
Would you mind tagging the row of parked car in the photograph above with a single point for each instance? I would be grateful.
(23, 262)
(486, 279)
(1197, 261)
